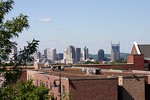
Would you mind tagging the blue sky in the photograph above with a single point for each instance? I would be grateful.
(91, 23)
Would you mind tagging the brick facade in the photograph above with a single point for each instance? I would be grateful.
(94, 89)
(23, 76)
(48, 81)
(137, 60)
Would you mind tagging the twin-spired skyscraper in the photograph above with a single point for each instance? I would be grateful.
(115, 52)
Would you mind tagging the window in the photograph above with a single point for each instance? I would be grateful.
(28, 77)
(51, 86)
(63, 89)
(59, 89)
(46, 84)
(36, 82)
(40, 82)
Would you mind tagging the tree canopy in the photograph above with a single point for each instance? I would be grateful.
(10, 29)
(24, 91)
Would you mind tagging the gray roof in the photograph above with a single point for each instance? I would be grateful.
(145, 49)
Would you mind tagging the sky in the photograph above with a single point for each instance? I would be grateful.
(91, 23)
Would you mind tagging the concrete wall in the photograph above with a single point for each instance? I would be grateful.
(94, 89)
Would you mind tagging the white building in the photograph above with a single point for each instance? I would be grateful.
(13, 52)
(50, 53)
(69, 55)
(53, 54)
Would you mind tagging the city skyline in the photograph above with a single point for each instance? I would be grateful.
(94, 24)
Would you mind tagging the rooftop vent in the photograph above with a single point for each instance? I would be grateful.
(57, 67)
(93, 71)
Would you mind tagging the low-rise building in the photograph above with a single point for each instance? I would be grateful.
(91, 83)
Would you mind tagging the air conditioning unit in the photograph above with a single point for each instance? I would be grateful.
(84, 70)
(89, 71)
(96, 71)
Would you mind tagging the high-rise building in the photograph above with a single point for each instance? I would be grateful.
(45, 53)
(50, 54)
(71, 51)
(115, 52)
(78, 54)
(59, 56)
(65, 54)
(101, 55)
(37, 55)
(85, 54)
(70, 55)
(13, 52)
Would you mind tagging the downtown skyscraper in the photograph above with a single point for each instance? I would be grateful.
(101, 55)
(115, 52)
(85, 54)
(78, 54)
(50, 53)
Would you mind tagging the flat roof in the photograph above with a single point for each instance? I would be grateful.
(77, 73)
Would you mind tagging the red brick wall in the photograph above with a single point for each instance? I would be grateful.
(130, 59)
(23, 76)
(137, 60)
(88, 89)
(50, 79)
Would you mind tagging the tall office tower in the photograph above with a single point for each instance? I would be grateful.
(70, 55)
(50, 54)
(13, 52)
(65, 54)
(71, 52)
(45, 53)
(115, 52)
(85, 54)
(101, 55)
(37, 56)
(53, 54)
(59, 56)
(78, 54)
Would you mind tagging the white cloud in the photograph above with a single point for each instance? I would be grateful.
(45, 19)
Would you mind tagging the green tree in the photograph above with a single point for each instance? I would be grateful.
(10, 29)
(24, 91)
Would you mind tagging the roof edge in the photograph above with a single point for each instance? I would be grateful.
(137, 48)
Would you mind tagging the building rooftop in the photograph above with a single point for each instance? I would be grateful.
(79, 74)
(144, 49)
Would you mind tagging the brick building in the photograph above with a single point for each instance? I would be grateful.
(77, 84)
(141, 56)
